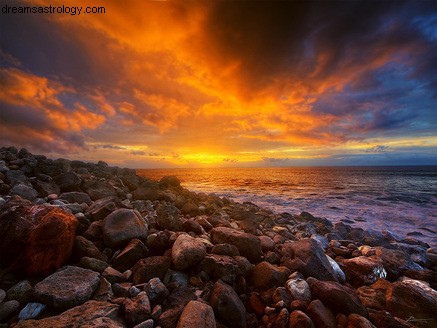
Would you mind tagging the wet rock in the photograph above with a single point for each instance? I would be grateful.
(80, 316)
(339, 298)
(248, 245)
(8, 308)
(320, 315)
(412, 298)
(137, 309)
(374, 296)
(307, 257)
(123, 225)
(357, 321)
(299, 319)
(31, 311)
(266, 275)
(150, 267)
(76, 197)
(36, 239)
(197, 314)
(298, 289)
(187, 252)
(363, 270)
(68, 287)
(21, 292)
(394, 261)
(130, 255)
(23, 191)
(340, 275)
(227, 306)
(68, 181)
(83, 247)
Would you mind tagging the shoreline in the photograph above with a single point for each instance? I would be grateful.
(152, 253)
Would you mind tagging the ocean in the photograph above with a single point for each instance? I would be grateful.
(402, 200)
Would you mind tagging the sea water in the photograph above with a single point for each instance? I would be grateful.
(402, 200)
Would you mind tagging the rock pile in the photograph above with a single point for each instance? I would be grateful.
(89, 245)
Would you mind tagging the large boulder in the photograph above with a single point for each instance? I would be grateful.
(187, 252)
(364, 270)
(248, 245)
(89, 314)
(227, 305)
(395, 261)
(122, 225)
(266, 275)
(338, 298)
(68, 287)
(197, 314)
(307, 257)
(36, 239)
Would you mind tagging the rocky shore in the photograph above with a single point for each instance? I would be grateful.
(89, 245)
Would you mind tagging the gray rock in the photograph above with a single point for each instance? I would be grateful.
(97, 189)
(23, 191)
(150, 267)
(187, 252)
(76, 197)
(8, 308)
(14, 177)
(137, 309)
(31, 311)
(21, 292)
(146, 324)
(168, 217)
(299, 289)
(130, 255)
(2, 295)
(92, 264)
(68, 181)
(122, 225)
(68, 287)
(156, 290)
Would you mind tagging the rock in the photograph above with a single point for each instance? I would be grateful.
(94, 231)
(248, 245)
(255, 304)
(146, 324)
(158, 243)
(282, 296)
(76, 197)
(225, 249)
(357, 321)
(394, 261)
(383, 319)
(320, 315)
(104, 291)
(97, 189)
(190, 208)
(363, 270)
(197, 314)
(150, 267)
(35, 239)
(92, 264)
(412, 298)
(101, 208)
(156, 290)
(168, 217)
(46, 187)
(227, 306)
(220, 267)
(112, 275)
(147, 192)
(130, 255)
(68, 287)
(298, 289)
(266, 275)
(187, 252)
(21, 292)
(8, 308)
(299, 319)
(68, 181)
(83, 247)
(307, 257)
(170, 181)
(340, 275)
(123, 225)
(138, 309)
(14, 177)
(23, 191)
(79, 317)
(374, 296)
(175, 303)
(31, 311)
(281, 320)
(2, 295)
(338, 298)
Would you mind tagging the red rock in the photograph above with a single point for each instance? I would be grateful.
(197, 314)
(137, 309)
(37, 239)
(320, 315)
(150, 267)
(187, 252)
(130, 255)
(357, 321)
(374, 296)
(266, 275)
(298, 319)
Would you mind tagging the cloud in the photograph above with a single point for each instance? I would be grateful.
(138, 152)
(378, 149)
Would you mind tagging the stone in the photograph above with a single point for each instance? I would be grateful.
(8, 308)
(307, 257)
(220, 267)
(197, 314)
(412, 298)
(31, 311)
(227, 306)
(68, 287)
(14, 177)
(137, 309)
(97, 189)
(281, 320)
(76, 197)
(101, 208)
(337, 297)
(225, 249)
(21, 292)
(92, 264)
(131, 254)
(46, 187)
(94, 232)
(149, 323)
(374, 296)
(383, 319)
(167, 217)
(320, 315)
(68, 181)
(170, 181)
(156, 290)
(104, 291)
(187, 252)
(340, 275)
(395, 261)
(266, 275)
(357, 321)
(112, 275)
(2, 295)
(363, 270)
(150, 267)
(79, 317)
(147, 191)
(23, 191)
(83, 247)
(299, 289)
(248, 245)
(255, 304)
(35, 239)
(299, 319)
(121, 226)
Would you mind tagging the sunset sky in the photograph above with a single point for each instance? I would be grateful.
(222, 83)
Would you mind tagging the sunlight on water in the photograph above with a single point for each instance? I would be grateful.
(400, 199)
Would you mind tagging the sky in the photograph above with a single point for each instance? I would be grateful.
(161, 84)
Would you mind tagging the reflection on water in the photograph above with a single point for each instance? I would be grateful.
(399, 199)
